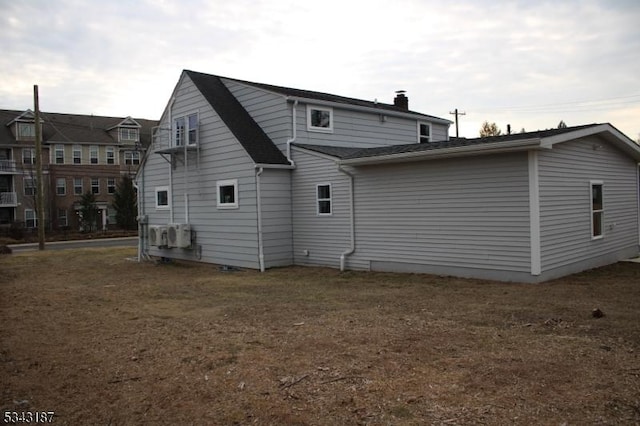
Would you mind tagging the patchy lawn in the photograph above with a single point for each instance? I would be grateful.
(103, 340)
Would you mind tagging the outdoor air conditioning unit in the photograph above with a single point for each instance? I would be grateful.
(179, 235)
(158, 235)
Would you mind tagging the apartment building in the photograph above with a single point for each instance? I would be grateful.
(80, 153)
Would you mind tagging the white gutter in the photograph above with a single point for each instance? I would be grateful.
(259, 208)
(352, 246)
(488, 148)
(294, 133)
(273, 166)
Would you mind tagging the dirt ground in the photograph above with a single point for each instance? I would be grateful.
(102, 340)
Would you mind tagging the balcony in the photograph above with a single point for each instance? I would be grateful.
(8, 199)
(8, 167)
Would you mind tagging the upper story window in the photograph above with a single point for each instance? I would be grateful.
(93, 154)
(111, 155)
(28, 156)
(77, 154)
(319, 119)
(59, 154)
(127, 134)
(597, 209)
(131, 157)
(424, 132)
(25, 131)
(186, 130)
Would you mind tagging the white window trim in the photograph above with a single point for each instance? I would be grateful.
(430, 131)
(110, 150)
(32, 155)
(228, 182)
(57, 148)
(92, 185)
(64, 186)
(187, 130)
(76, 149)
(330, 199)
(35, 218)
(601, 183)
(75, 186)
(319, 129)
(163, 189)
(128, 130)
(96, 149)
(114, 186)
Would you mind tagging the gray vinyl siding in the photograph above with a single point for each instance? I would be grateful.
(565, 204)
(224, 236)
(459, 213)
(277, 229)
(324, 237)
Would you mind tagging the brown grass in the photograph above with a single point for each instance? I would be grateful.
(103, 340)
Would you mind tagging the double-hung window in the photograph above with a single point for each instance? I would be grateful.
(28, 156)
(597, 209)
(323, 199)
(29, 185)
(61, 186)
(77, 186)
(30, 219)
(424, 132)
(62, 217)
(319, 119)
(111, 185)
(131, 157)
(59, 154)
(111, 155)
(93, 154)
(77, 154)
(128, 134)
(95, 185)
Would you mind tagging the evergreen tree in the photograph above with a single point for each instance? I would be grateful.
(125, 203)
(89, 212)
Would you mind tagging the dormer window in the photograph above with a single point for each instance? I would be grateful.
(424, 132)
(319, 119)
(25, 131)
(128, 134)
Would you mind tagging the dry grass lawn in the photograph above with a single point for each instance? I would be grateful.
(102, 340)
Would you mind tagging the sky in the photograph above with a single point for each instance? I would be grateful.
(529, 64)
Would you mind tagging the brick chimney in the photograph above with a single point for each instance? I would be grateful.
(401, 101)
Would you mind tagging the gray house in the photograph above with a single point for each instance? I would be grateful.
(260, 176)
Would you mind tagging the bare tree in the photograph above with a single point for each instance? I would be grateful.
(489, 130)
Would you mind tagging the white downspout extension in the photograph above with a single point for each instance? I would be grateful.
(352, 247)
(259, 208)
(294, 134)
(186, 180)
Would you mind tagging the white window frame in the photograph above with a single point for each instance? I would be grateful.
(111, 185)
(163, 206)
(125, 134)
(31, 152)
(129, 158)
(63, 186)
(21, 126)
(312, 128)
(32, 186)
(110, 154)
(190, 130)
(95, 180)
(94, 149)
(63, 219)
(56, 150)
(223, 183)
(319, 200)
(76, 149)
(420, 137)
(75, 186)
(593, 183)
(34, 219)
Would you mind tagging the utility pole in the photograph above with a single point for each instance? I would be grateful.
(456, 113)
(39, 180)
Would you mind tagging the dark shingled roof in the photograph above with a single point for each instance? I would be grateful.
(250, 135)
(344, 153)
(59, 127)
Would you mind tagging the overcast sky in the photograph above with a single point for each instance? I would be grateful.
(526, 63)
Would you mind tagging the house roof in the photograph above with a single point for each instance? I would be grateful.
(251, 136)
(464, 146)
(57, 127)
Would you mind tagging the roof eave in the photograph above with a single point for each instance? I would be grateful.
(460, 151)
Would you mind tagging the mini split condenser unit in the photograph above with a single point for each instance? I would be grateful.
(179, 235)
(158, 235)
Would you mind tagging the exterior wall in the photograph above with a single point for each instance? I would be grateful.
(318, 240)
(565, 206)
(277, 228)
(464, 217)
(223, 236)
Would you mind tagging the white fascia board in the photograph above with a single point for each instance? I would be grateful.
(461, 151)
(373, 110)
(607, 131)
(548, 142)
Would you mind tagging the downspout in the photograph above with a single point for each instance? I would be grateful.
(259, 208)
(294, 133)
(169, 115)
(140, 225)
(352, 246)
(186, 177)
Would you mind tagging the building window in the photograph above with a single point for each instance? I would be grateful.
(162, 197)
(319, 119)
(62, 218)
(132, 157)
(597, 209)
(30, 220)
(61, 186)
(77, 186)
(111, 185)
(424, 132)
(323, 196)
(185, 127)
(28, 156)
(192, 121)
(29, 185)
(95, 185)
(111, 155)
(179, 131)
(59, 154)
(227, 194)
(93, 154)
(129, 135)
(77, 154)
(26, 131)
